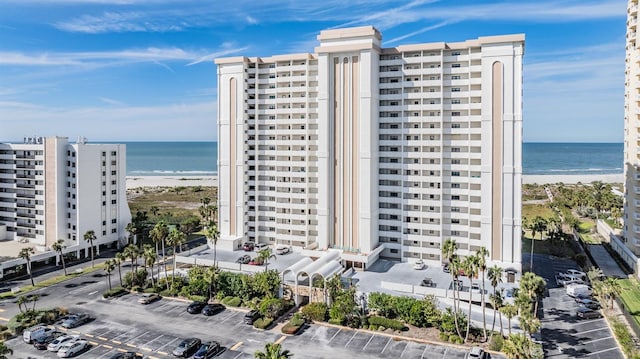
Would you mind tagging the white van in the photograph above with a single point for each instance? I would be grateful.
(575, 289)
(29, 333)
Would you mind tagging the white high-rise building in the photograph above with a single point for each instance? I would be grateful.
(376, 152)
(632, 132)
(51, 189)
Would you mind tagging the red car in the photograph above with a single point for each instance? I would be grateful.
(256, 262)
(248, 246)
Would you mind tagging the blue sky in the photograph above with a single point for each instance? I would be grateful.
(123, 70)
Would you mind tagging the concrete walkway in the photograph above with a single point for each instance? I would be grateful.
(605, 262)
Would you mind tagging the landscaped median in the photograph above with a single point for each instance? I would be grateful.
(49, 282)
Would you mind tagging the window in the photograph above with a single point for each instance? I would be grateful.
(455, 209)
(455, 101)
(455, 198)
(393, 251)
(455, 149)
(455, 185)
(455, 89)
(455, 53)
(455, 65)
(455, 162)
(455, 221)
(455, 77)
(455, 125)
(455, 113)
(455, 233)
(455, 173)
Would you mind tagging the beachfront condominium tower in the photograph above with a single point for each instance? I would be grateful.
(375, 152)
(51, 189)
(632, 132)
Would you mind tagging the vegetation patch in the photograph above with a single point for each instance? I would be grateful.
(294, 325)
(262, 323)
(382, 322)
(231, 301)
(537, 210)
(315, 311)
(625, 339)
(115, 292)
(630, 296)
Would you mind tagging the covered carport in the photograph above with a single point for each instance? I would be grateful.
(307, 270)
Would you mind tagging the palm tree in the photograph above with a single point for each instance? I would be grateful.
(495, 276)
(509, 311)
(120, 258)
(213, 235)
(25, 253)
(59, 246)
(154, 210)
(109, 266)
(4, 351)
(149, 255)
(517, 346)
(22, 300)
(529, 323)
(131, 228)
(213, 275)
(146, 248)
(90, 236)
(449, 252)
(273, 351)
(612, 288)
(131, 251)
(481, 256)
(470, 265)
(264, 255)
(539, 225)
(496, 302)
(533, 286)
(33, 299)
(595, 274)
(175, 239)
(159, 234)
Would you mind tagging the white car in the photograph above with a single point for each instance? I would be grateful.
(72, 348)
(283, 250)
(55, 345)
(418, 265)
(260, 246)
(576, 273)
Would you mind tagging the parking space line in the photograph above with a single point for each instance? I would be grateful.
(131, 345)
(587, 321)
(339, 330)
(88, 335)
(589, 331)
(107, 346)
(228, 317)
(405, 348)
(597, 340)
(4, 319)
(102, 338)
(424, 351)
(136, 337)
(116, 341)
(370, 339)
(238, 356)
(602, 351)
(147, 344)
(162, 353)
(236, 346)
(158, 350)
(354, 334)
(282, 338)
(385, 346)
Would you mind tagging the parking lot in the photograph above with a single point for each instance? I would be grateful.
(563, 334)
(154, 330)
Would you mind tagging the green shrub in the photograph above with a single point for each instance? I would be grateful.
(151, 290)
(297, 319)
(272, 307)
(373, 327)
(625, 339)
(5, 335)
(198, 298)
(496, 342)
(315, 311)
(294, 325)
(455, 339)
(262, 323)
(444, 337)
(387, 323)
(167, 293)
(136, 288)
(231, 301)
(335, 321)
(114, 292)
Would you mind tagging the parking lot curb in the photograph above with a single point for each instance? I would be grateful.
(402, 337)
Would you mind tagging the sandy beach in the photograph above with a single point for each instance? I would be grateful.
(171, 181)
(212, 181)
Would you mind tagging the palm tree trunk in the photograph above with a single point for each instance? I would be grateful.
(493, 325)
(509, 324)
(455, 310)
(215, 254)
(173, 270)
(120, 272)
(91, 250)
(30, 274)
(466, 337)
(64, 265)
(501, 329)
(109, 279)
(164, 264)
(533, 240)
(484, 315)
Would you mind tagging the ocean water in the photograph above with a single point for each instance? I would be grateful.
(200, 158)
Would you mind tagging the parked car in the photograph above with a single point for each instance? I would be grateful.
(55, 345)
(575, 289)
(510, 295)
(29, 334)
(244, 259)
(260, 246)
(589, 303)
(578, 297)
(586, 313)
(73, 348)
(256, 262)
(211, 309)
(195, 307)
(427, 282)
(445, 267)
(187, 347)
(251, 317)
(418, 265)
(248, 246)
(126, 355)
(75, 320)
(148, 298)
(566, 281)
(476, 353)
(475, 288)
(283, 250)
(207, 350)
(576, 273)
(41, 341)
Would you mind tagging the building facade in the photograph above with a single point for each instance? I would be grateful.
(51, 189)
(632, 132)
(376, 152)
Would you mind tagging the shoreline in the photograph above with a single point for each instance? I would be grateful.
(212, 181)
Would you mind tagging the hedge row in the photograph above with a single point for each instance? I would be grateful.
(386, 323)
(231, 301)
(262, 323)
(114, 292)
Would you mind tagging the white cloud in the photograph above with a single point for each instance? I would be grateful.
(178, 121)
(110, 101)
(118, 22)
